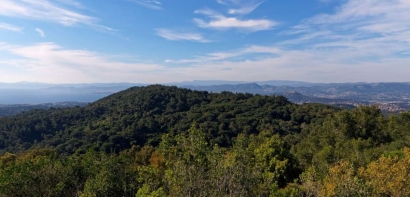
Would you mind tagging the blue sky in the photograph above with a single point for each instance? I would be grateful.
(159, 41)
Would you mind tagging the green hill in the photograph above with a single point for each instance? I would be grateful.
(140, 115)
(168, 141)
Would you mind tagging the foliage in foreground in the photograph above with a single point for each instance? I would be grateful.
(140, 142)
(351, 153)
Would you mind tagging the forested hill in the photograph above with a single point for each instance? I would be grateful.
(9, 110)
(168, 141)
(140, 115)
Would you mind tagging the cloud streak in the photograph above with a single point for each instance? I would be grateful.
(40, 32)
(219, 21)
(178, 35)
(245, 8)
(223, 56)
(49, 62)
(9, 27)
(71, 3)
(378, 28)
(360, 41)
(367, 16)
(151, 4)
(46, 10)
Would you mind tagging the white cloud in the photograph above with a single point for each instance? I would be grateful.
(227, 2)
(179, 35)
(241, 7)
(40, 32)
(303, 65)
(234, 23)
(48, 62)
(386, 16)
(361, 41)
(222, 56)
(46, 10)
(246, 8)
(108, 28)
(10, 27)
(219, 21)
(380, 27)
(151, 4)
(71, 3)
(359, 20)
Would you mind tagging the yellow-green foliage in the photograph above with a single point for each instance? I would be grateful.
(349, 153)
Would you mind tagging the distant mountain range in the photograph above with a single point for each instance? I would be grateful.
(35, 85)
(36, 93)
(9, 110)
(389, 96)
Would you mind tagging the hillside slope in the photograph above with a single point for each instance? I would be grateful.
(168, 141)
(140, 115)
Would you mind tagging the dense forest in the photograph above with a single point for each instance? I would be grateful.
(169, 141)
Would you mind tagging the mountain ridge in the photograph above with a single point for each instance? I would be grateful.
(140, 115)
(392, 97)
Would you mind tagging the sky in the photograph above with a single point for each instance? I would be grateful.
(160, 41)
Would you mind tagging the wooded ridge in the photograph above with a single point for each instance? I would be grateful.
(168, 141)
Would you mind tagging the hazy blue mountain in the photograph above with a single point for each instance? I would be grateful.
(205, 83)
(390, 96)
(221, 82)
(34, 85)
(19, 96)
(288, 83)
(24, 85)
(36, 93)
(10, 110)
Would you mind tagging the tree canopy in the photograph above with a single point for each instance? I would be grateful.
(168, 141)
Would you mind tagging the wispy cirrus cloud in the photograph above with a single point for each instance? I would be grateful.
(219, 21)
(72, 3)
(245, 9)
(180, 35)
(240, 7)
(271, 62)
(10, 27)
(360, 41)
(40, 32)
(359, 25)
(225, 55)
(227, 2)
(53, 63)
(47, 10)
(43, 10)
(151, 4)
(382, 17)
(363, 40)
